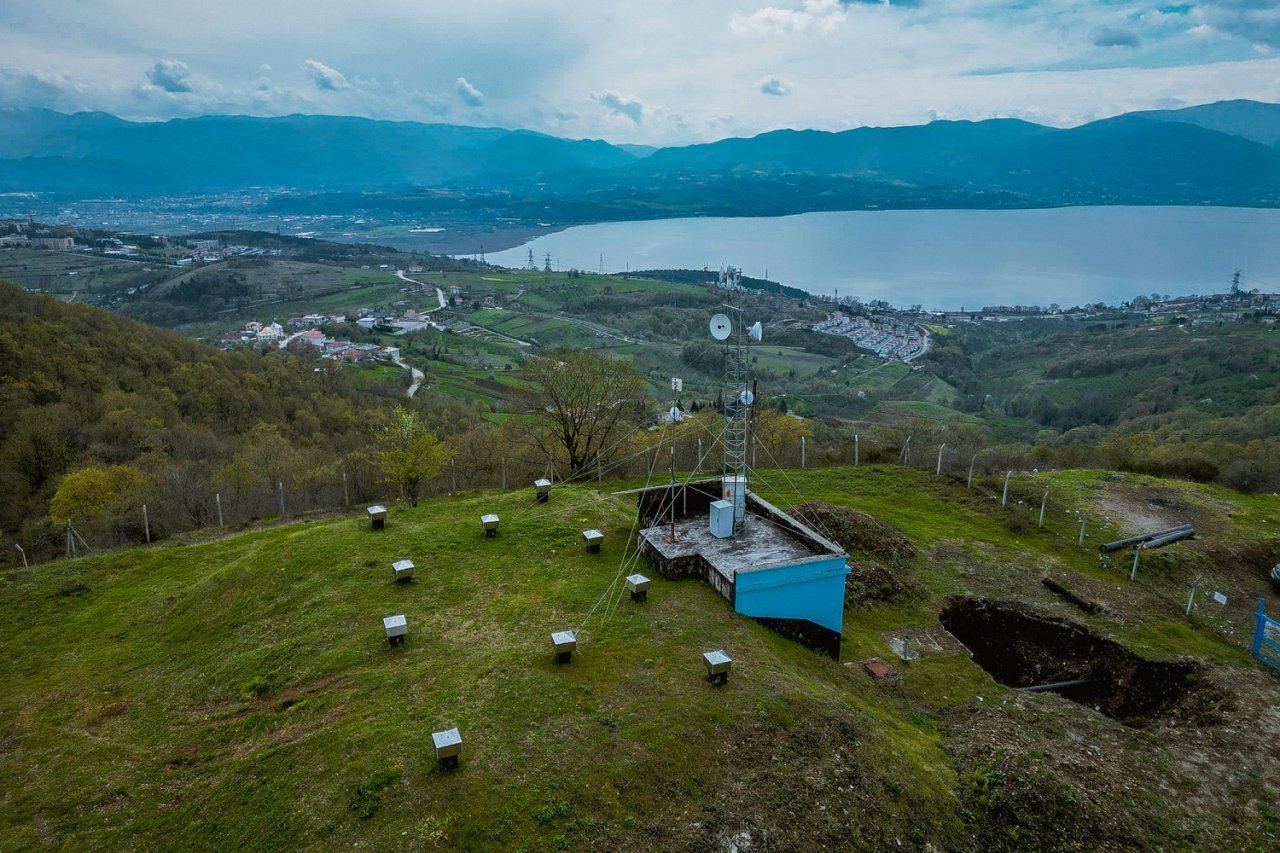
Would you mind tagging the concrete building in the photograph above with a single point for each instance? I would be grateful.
(774, 569)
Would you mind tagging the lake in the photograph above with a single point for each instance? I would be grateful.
(950, 258)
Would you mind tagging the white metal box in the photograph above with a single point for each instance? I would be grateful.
(448, 744)
(721, 519)
(594, 538)
(403, 569)
(489, 521)
(718, 665)
(565, 643)
(396, 627)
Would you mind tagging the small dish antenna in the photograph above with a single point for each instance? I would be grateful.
(756, 332)
(721, 327)
(676, 415)
(747, 397)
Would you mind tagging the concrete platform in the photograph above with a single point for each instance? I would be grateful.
(758, 544)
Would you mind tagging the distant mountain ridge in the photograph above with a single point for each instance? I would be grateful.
(1222, 153)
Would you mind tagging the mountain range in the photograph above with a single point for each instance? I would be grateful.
(1221, 153)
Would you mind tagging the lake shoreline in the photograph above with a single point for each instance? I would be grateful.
(948, 258)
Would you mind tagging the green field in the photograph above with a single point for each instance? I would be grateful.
(237, 692)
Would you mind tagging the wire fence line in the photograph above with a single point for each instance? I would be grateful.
(1026, 508)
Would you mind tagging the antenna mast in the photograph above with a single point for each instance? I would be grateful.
(737, 404)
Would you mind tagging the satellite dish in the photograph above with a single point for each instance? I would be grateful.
(721, 327)
(676, 415)
(756, 332)
(747, 397)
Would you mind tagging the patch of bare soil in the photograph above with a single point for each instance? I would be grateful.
(1136, 511)
(1037, 772)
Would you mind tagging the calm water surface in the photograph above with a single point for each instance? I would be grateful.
(950, 258)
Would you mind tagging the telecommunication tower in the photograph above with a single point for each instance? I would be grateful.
(739, 398)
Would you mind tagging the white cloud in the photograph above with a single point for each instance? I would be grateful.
(170, 75)
(471, 96)
(326, 79)
(860, 62)
(1255, 20)
(819, 15)
(773, 85)
(620, 104)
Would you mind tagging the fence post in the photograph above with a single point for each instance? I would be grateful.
(346, 498)
(1080, 541)
(599, 469)
(938, 471)
(453, 474)
(1044, 502)
(1004, 498)
(146, 524)
(1137, 554)
(280, 489)
(802, 451)
(1262, 627)
(218, 499)
(855, 450)
(699, 454)
(504, 473)
(969, 484)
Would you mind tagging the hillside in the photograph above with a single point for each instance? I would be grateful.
(80, 387)
(237, 692)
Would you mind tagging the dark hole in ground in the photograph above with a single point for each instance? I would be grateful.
(1020, 648)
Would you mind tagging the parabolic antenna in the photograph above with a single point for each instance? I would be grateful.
(756, 332)
(747, 397)
(721, 327)
(676, 415)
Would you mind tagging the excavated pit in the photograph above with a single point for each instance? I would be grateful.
(1022, 649)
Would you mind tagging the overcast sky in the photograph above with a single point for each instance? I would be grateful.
(658, 71)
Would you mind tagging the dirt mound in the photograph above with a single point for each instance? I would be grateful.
(879, 555)
(857, 532)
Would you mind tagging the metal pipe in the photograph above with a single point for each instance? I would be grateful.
(1108, 547)
(1056, 685)
(1170, 538)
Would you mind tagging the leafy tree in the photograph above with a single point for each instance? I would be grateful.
(581, 403)
(91, 493)
(406, 452)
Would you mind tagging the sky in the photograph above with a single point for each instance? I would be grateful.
(657, 72)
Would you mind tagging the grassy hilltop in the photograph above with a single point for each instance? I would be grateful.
(238, 692)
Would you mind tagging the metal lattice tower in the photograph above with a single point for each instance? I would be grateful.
(737, 412)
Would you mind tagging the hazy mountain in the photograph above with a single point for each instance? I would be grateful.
(1252, 120)
(1215, 154)
(311, 152)
(893, 152)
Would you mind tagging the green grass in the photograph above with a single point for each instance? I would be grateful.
(238, 692)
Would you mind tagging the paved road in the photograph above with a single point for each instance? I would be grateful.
(439, 293)
(414, 373)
